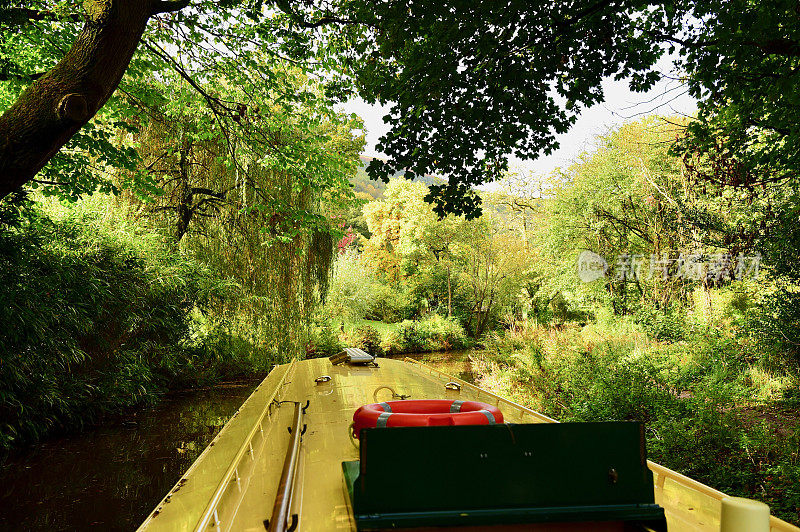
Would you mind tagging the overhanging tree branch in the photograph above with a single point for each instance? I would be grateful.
(55, 106)
(215, 104)
(169, 6)
(19, 16)
(209, 192)
(324, 21)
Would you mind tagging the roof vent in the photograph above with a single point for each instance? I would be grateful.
(353, 356)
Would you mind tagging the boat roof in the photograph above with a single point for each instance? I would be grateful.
(232, 484)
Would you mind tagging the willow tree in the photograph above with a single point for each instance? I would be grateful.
(261, 212)
(183, 155)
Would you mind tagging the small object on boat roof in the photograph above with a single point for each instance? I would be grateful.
(352, 355)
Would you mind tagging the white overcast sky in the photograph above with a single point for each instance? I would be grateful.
(621, 105)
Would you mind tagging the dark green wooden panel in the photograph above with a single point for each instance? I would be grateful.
(504, 473)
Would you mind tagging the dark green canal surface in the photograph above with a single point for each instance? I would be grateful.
(111, 477)
(455, 363)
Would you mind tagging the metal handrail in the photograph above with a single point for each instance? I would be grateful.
(665, 472)
(279, 522)
(208, 514)
(480, 391)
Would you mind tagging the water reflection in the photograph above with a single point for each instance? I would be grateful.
(455, 363)
(110, 478)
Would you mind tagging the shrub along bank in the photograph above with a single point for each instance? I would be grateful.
(433, 333)
(97, 315)
(429, 334)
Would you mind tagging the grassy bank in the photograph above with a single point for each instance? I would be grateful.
(712, 411)
(351, 325)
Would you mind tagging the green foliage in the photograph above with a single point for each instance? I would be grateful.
(323, 342)
(247, 164)
(442, 333)
(405, 339)
(746, 129)
(626, 201)
(241, 188)
(368, 339)
(97, 316)
(352, 288)
(432, 333)
(35, 35)
(415, 55)
(670, 326)
(438, 66)
(471, 269)
(391, 304)
(791, 397)
(263, 211)
(691, 397)
(774, 324)
(221, 353)
(711, 443)
(355, 292)
(349, 327)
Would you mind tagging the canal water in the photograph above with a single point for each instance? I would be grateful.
(109, 478)
(455, 363)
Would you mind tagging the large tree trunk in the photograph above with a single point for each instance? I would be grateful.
(59, 103)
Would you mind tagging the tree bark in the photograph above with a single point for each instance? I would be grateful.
(56, 105)
(185, 196)
(449, 293)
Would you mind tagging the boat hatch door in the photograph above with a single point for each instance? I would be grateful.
(526, 473)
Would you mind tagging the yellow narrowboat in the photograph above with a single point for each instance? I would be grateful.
(288, 460)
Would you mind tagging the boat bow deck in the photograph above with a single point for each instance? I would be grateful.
(233, 483)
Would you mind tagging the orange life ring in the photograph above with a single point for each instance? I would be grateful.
(425, 412)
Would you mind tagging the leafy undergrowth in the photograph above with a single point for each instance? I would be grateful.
(432, 333)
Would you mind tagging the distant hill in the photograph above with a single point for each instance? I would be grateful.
(374, 189)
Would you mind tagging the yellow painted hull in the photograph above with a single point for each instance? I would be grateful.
(233, 483)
